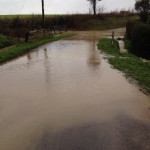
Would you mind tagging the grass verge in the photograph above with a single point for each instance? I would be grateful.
(23, 48)
(132, 66)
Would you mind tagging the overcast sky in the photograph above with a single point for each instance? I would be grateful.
(58, 6)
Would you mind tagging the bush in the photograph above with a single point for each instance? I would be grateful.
(139, 34)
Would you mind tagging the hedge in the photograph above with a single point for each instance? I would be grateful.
(139, 34)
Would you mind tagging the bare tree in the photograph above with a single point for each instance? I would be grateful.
(94, 5)
(101, 9)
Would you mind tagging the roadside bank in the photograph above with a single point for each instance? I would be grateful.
(132, 66)
(23, 48)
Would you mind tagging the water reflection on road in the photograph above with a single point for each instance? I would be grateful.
(65, 96)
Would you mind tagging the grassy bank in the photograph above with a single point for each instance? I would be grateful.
(132, 66)
(5, 41)
(22, 48)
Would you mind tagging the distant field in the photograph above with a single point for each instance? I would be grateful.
(86, 24)
(14, 16)
(22, 16)
(17, 27)
(108, 23)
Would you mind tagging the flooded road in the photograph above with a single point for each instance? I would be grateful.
(65, 96)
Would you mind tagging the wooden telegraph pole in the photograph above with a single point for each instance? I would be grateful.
(43, 16)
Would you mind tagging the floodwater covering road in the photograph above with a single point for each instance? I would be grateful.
(65, 96)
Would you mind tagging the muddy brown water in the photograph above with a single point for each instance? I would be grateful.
(65, 96)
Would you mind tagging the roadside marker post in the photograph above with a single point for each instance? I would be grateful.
(113, 36)
(43, 17)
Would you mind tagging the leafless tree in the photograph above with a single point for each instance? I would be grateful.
(101, 9)
(94, 5)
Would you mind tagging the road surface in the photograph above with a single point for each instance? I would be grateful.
(65, 96)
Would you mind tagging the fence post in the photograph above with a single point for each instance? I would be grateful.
(54, 30)
(113, 35)
(27, 36)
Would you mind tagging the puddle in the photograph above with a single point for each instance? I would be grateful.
(65, 91)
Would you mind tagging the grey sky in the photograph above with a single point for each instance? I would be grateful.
(58, 6)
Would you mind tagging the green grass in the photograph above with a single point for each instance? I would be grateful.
(132, 66)
(23, 48)
(5, 41)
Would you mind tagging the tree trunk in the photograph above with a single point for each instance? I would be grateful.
(94, 11)
(94, 7)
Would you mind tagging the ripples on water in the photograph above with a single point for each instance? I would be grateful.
(63, 95)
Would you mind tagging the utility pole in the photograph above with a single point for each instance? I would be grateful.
(43, 16)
